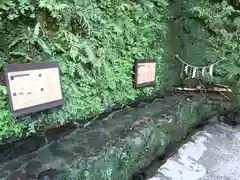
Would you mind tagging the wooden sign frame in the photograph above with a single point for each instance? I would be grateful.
(136, 71)
(11, 68)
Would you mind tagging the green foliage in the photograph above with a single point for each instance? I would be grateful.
(7, 126)
(14, 9)
(95, 42)
(221, 20)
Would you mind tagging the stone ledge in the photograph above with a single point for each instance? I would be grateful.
(118, 145)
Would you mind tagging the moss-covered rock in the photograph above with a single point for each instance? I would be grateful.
(161, 123)
(113, 147)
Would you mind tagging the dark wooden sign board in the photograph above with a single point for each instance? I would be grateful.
(144, 73)
(33, 87)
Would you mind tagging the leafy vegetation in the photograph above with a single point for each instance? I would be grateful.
(95, 42)
(221, 19)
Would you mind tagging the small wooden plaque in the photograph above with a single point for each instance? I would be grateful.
(144, 73)
(33, 87)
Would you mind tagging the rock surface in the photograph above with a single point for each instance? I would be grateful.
(112, 148)
(211, 154)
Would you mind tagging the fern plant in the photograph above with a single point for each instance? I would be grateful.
(33, 40)
(79, 50)
(54, 7)
(95, 43)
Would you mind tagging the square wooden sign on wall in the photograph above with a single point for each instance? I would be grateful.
(33, 87)
(144, 73)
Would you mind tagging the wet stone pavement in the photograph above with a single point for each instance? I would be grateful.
(210, 154)
(33, 157)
